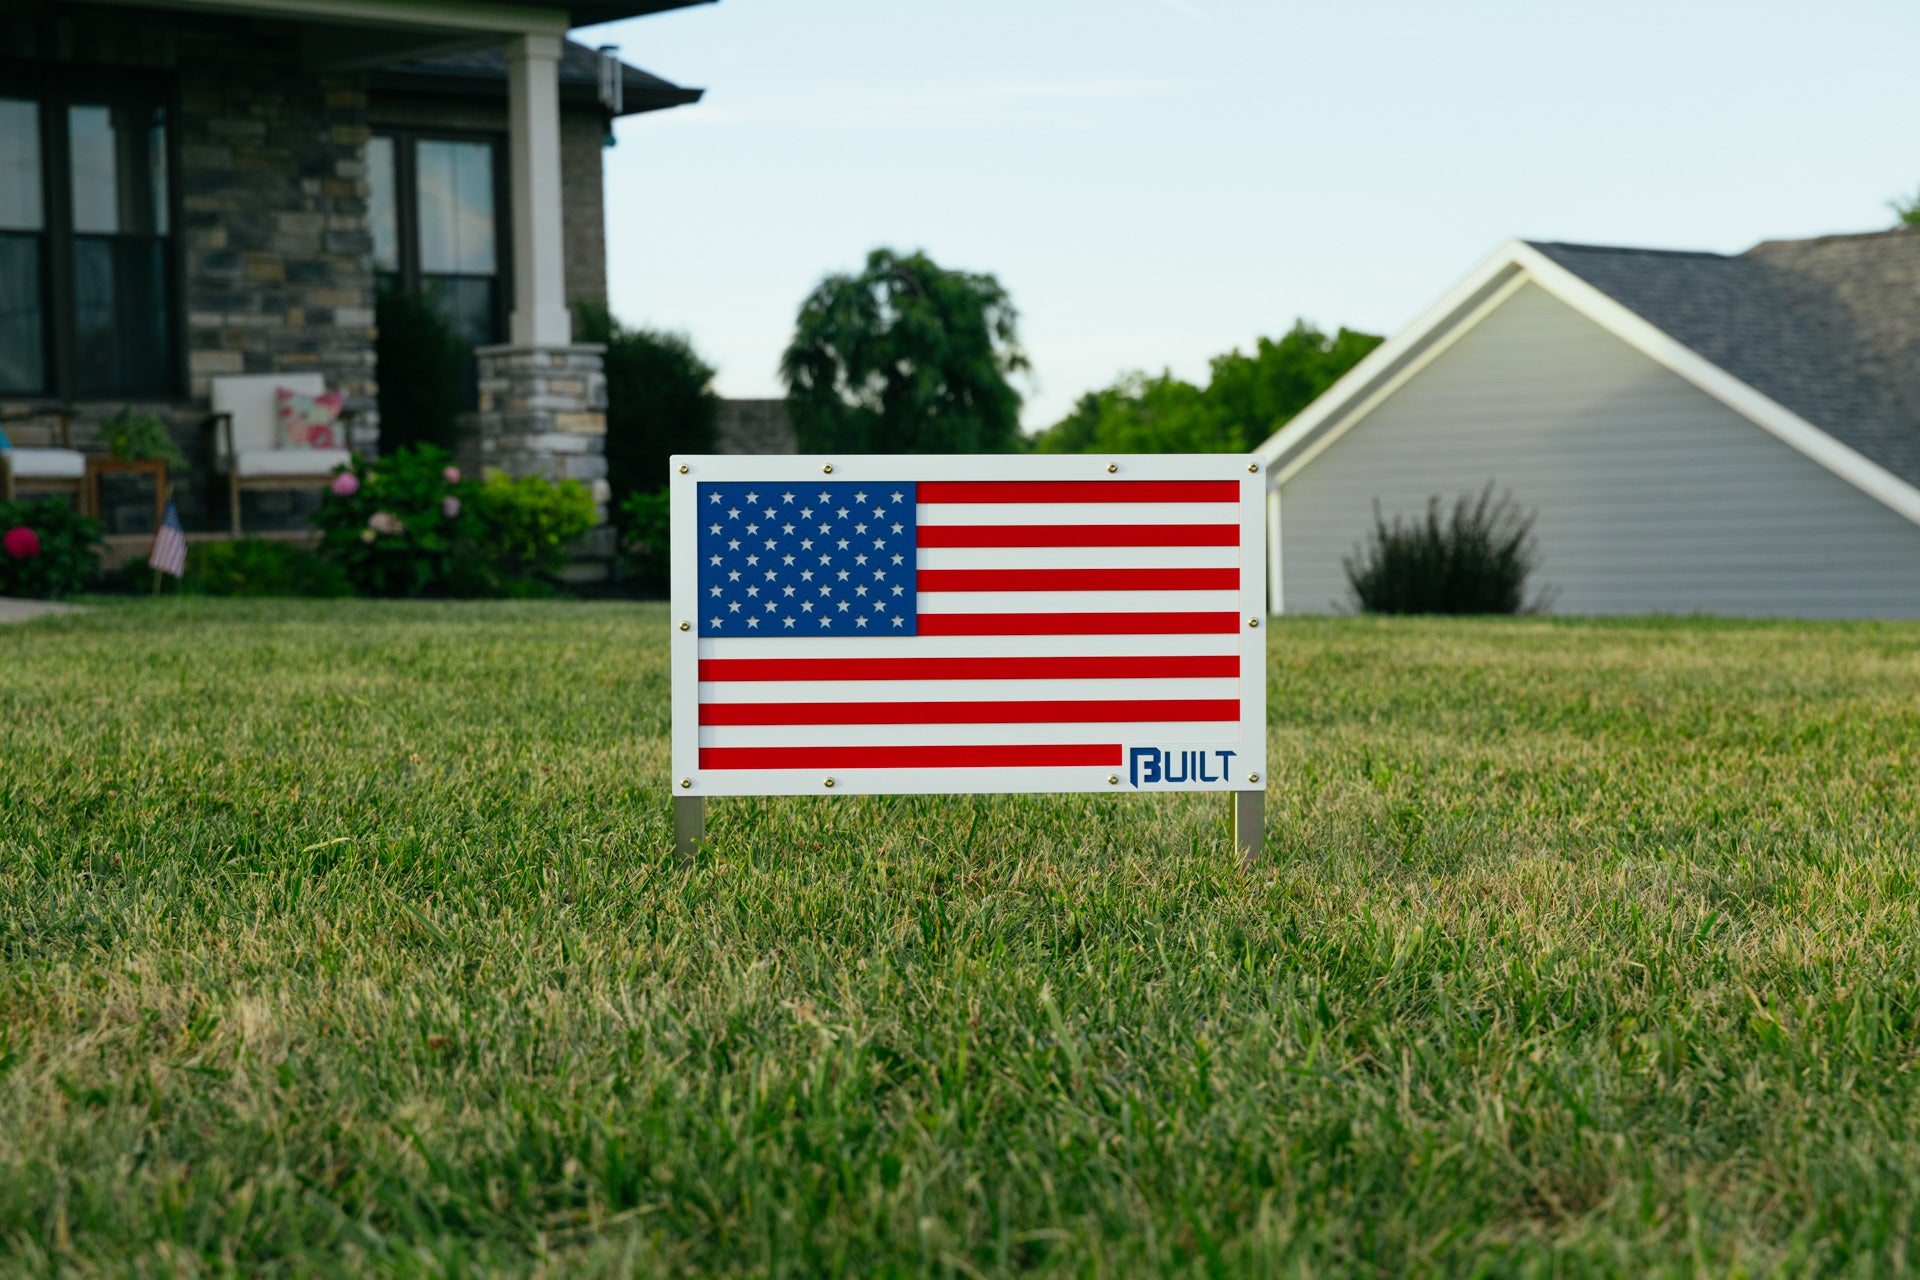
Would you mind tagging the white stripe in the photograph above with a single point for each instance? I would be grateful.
(1173, 733)
(1052, 513)
(963, 690)
(1078, 558)
(1079, 602)
(805, 646)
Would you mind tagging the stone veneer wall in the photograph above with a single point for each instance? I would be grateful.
(543, 412)
(271, 189)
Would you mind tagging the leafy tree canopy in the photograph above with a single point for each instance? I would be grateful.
(906, 357)
(1248, 398)
(1908, 211)
(660, 400)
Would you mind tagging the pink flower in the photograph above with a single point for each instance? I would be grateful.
(451, 475)
(385, 522)
(450, 506)
(346, 484)
(21, 543)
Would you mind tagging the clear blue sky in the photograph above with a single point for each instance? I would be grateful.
(1156, 181)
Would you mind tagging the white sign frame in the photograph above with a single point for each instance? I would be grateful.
(1248, 743)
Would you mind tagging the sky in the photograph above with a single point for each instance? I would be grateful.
(1158, 181)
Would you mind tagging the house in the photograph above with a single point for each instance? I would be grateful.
(198, 188)
(1698, 432)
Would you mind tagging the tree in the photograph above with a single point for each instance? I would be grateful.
(660, 401)
(1248, 399)
(1908, 211)
(422, 367)
(906, 357)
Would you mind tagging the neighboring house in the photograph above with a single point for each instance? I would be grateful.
(1724, 434)
(194, 188)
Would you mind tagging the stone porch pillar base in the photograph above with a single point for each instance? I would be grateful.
(543, 412)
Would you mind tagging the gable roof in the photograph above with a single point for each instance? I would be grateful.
(482, 73)
(1816, 341)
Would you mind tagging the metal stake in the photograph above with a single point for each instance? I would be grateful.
(689, 823)
(1249, 823)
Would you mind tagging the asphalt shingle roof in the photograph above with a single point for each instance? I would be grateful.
(483, 71)
(1829, 328)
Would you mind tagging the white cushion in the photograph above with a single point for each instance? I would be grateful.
(256, 415)
(291, 463)
(47, 464)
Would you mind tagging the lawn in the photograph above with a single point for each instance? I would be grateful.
(348, 936)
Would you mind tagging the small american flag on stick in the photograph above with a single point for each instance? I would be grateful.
(932, 624)
(169, 554)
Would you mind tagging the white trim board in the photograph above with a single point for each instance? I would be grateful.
(465, 16)
(1393, 363)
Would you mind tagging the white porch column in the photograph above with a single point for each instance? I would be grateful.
(540, 317)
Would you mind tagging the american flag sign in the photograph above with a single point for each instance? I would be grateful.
(169, 553)
(968, 624)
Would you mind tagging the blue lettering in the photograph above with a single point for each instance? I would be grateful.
(1149, 756)
(1224, 757)
(1204, 777)
(1185, 770)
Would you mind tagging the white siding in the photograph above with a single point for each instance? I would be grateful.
(1652, 496)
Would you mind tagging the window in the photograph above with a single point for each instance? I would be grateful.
(435, 215)
(86, 250)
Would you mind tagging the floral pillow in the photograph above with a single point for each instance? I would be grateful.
(309, 422)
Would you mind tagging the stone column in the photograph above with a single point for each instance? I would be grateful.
(543, 412)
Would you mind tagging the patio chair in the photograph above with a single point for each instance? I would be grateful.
(54, 466)
(245, 427)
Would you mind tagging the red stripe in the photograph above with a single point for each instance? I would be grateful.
(1119, 668)
(1078, 624)
(1022, 756)
(1140, 711)
(1077, 535)
(1078, 491)
(1079, 579)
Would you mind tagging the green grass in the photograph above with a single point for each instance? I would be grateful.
(346, 936)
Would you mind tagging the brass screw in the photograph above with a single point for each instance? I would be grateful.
(1253, 777)
(686, 782)
(1112, 467)
(1253, 622)
(1251, 467)
(829, 782)
(1113, 779)
(683, 468)
(686, 626)
(827, 471)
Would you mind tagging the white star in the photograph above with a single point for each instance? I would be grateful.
(773, 606)
(769, 513)
(733, 544)
(752, 496)
(786, 622)
(806, 513)
(753, 528)
(898, 589)
(859, 559)
(753, 559)
(713, 560)
(879, 606)
(733, 606)
(713, 591)
(786, 528)
(826, 559)
(899, 528)
(860, 528)
(859, 622)
(844, 606)
(753, 623)
(859, 591)
(826, 528)
(733, 513)
(770, 544)
(879, 544)
(753, 591)
(806, 544)
(826, 591)
(786, 559)
(716, 623)
(898, 496)
(841, 514)
(826, 622)
(713, 529)
(879, 513)
(842, 575)
(897, 559)
(806, 606)
(715, 499)
(786, 591)
(899, 621)
(786, 497)
(843, 544)
(825, 496)
(772, 576)
(859, 497)
(733, 575)
(879, 575)
(806, 575)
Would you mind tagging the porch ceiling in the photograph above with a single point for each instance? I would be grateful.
(344, 34)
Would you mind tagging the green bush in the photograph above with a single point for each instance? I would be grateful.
(402, 526)
(411, 525)
(660, 401)
(254, 567)
(422, 366)
(61, 556)
(1476, 560)
(527, 524)
(141, 437)
(643, 545)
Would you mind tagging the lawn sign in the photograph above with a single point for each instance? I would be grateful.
(951, 625)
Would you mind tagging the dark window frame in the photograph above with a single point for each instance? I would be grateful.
(55, 88)
(406, 214)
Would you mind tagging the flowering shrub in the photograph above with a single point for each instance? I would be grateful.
(385, 523)
(48, 549)
(410, 524)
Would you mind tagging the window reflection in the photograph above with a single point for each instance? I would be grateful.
(455, 184)
(383, 213)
